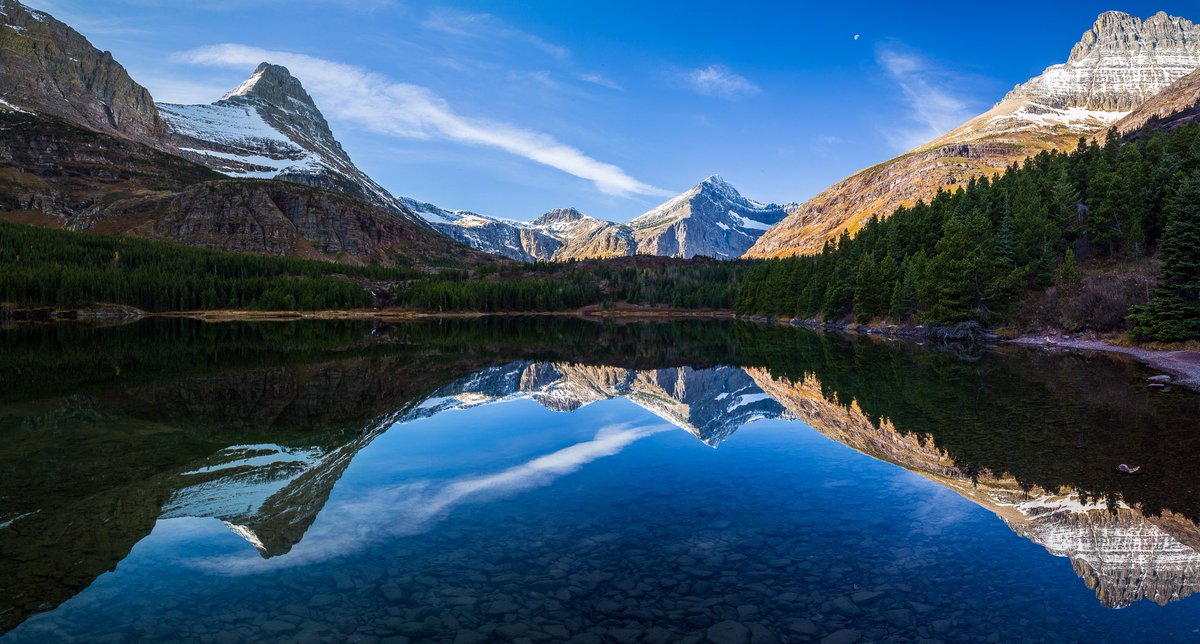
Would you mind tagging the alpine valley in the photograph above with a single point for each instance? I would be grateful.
(252, 391)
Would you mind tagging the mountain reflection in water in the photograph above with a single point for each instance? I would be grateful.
(108, 431)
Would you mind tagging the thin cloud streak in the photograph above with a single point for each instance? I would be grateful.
(602, 81)
(932, 105)
(386, 107)
(721, 82)
(482, 25)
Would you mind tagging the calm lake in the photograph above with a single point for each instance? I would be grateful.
(543, 480)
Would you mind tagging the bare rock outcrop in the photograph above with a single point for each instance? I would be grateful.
(46, 66)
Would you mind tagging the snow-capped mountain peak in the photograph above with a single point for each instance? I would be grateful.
(269, 127)
(712, 219)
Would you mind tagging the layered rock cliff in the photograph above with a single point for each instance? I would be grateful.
(57, 174)
(48, 67)
(1177, 105)
(1118, 64)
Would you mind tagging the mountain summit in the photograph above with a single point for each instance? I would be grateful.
(273, 84)
(268, 127)
(1118, 64)
(711, 219)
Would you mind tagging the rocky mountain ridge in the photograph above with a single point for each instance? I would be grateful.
(57, 174)
(1118, 64)
(711, 219)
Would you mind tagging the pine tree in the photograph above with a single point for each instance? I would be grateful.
(1069, 274)
(1174, 311)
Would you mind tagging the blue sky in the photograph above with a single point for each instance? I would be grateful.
(511, 109)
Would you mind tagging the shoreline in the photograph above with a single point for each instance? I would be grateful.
(589, 312)
(1182, 365)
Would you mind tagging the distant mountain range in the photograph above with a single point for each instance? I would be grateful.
(158, 173)
(1119, 64)
(712, 219)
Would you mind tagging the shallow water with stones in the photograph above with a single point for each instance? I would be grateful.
(548, 481)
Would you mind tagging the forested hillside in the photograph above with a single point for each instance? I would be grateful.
(42, 267)
(977, 253)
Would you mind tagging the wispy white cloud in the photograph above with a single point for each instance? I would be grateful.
(486, 25)
(601, 80)
(387, 107)
(721, 82)
(934, 108)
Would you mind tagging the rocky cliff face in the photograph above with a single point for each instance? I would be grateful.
(84, 149)
(53, 171)
(1117, 65)
(269, 128)
(57, 174)
(275, 218)
(48, 67)
(1175, 106)
(712, 219)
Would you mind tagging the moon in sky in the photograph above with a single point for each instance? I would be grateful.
(856, 36)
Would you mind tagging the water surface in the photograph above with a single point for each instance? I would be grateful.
(560, 480)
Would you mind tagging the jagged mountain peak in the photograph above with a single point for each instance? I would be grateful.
(1119, 63)
(718, 186)
(1117, 30)
(275, 85)
(559, 215)
(269, 127)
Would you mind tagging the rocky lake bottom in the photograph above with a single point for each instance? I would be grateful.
(389, 485)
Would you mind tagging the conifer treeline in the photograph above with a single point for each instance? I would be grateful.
(42, 267)
(971, 254)
(700, 284)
